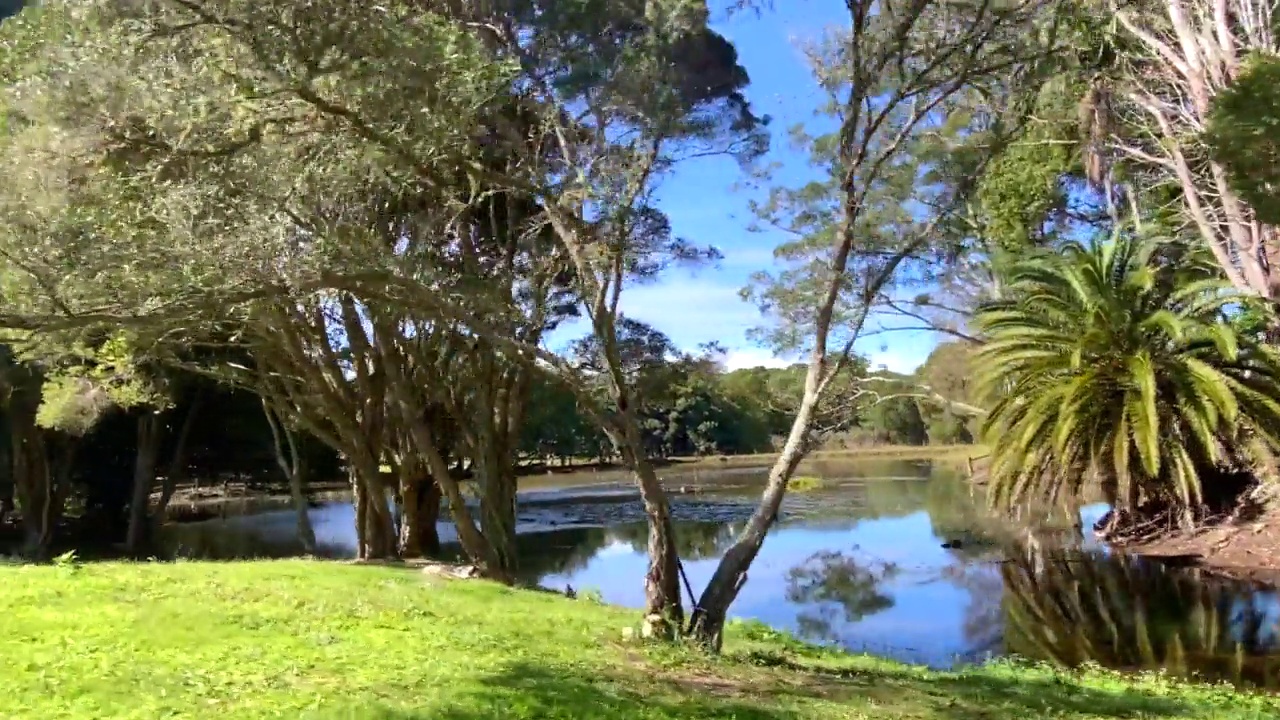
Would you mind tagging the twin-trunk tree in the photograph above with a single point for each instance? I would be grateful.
(898, 77)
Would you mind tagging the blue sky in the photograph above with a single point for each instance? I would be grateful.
(698, 306)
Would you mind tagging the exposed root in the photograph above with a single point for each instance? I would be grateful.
(1230, 498)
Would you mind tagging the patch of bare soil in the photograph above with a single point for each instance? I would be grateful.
(1245, 547)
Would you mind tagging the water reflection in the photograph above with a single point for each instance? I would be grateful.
(861, 563)
(1134, 614)
(263, 535)
(547, 556)
(833, 588)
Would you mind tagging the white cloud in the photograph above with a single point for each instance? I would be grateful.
(743, 358)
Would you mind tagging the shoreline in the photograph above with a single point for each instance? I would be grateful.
(212, 501)
(1237, 549)
(1243, 550)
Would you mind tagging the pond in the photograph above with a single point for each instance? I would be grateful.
(897, 558)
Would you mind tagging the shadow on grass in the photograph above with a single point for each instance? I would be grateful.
(528, 691)
(982, 696)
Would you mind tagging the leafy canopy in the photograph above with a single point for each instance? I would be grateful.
(1243, 134)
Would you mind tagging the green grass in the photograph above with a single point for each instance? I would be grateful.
(299, 639)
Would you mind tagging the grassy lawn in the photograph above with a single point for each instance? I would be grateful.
(299, 639)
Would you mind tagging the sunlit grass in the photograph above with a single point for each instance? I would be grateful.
(300, 639)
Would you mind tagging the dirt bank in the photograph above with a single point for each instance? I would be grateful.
(1239, 548)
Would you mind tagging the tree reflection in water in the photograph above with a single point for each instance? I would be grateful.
(565, 551)
(1131, 614)
(559, 551)
(834, 588)
(695, 540)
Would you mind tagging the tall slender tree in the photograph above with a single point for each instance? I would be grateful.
(894, 75)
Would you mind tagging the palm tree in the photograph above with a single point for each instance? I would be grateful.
(1119, 363)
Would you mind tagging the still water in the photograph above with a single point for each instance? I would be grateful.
(860, 563)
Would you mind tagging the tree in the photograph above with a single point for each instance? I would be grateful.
(892, 75)
(1113, 364)
(622, 93)
(293, 465)
(1243, 134)
(898, 420)
(1151, 107)
(331, 268)
(555, 426)
(948, 372)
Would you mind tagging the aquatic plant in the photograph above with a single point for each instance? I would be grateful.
(806, 483)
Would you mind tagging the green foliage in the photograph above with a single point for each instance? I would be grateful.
(1022, 192)
(1112, 363)
(691, 408)
(947, 428)
(82, 382)
(1243, 133)
(948, 373)
(897, 421)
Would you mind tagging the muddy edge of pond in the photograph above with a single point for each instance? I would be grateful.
(1239, 549)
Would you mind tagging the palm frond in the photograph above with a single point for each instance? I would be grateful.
(1119, 361)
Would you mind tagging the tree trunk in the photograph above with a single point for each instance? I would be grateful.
(429, 496)
(144, 477)
(33, 486)
(295, 472)
(707, 624)
(498, 507)
(473, 541)
(375, 523)
(379, 523)
(298, 493)
(360, 506)
(663, 612)
(420, 511)
(7, 504)
(177, 472)
(410, 541)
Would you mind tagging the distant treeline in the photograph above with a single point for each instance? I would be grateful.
(692, 407)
